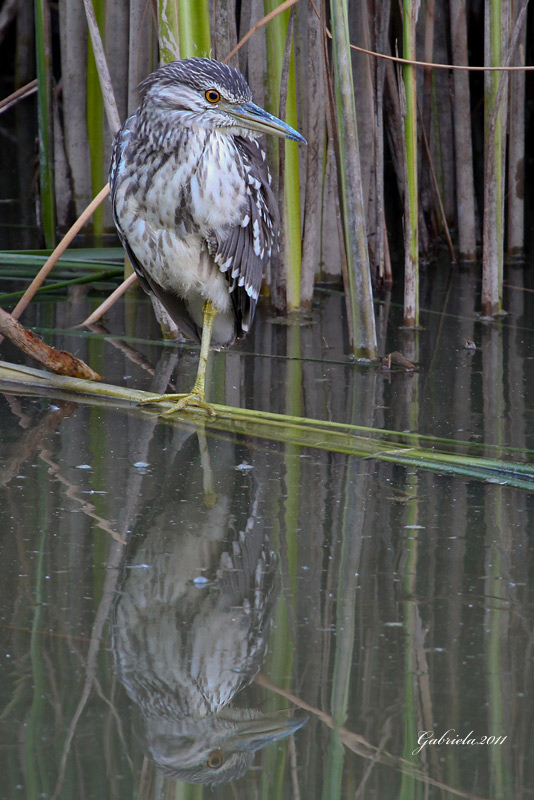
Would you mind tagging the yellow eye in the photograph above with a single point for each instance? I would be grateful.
(215, 759)
(212, 96)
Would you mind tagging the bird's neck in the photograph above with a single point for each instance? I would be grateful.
(169, 132)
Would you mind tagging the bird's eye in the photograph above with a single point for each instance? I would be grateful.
(212, 96)
(215, 759)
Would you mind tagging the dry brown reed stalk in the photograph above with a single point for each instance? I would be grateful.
(59, 361)
(20, 94)
(256, 27)
(106, 86)
(99, 312)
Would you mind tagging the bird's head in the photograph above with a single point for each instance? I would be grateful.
(217, 748)
(202, 93)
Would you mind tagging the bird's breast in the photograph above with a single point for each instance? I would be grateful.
(197, 187)
(218, 185)
(172, 204)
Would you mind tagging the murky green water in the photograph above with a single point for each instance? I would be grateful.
(174, 599)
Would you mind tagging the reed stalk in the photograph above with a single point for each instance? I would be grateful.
(44, 119)
(516, 148)
(225, 31)
(95, 123)
(429, 119)
(141, 49)
(465, 186)
(493, 228)
(411, 204)
(382, 267)
(359, 290)
(73, 38)
(279, 39)
(194, 23)
(312, 64)
(169, 31)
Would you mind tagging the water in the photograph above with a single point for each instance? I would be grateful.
(176, 597)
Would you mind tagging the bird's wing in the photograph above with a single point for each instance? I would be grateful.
(245, 249)
(118, 161)
(174, 305)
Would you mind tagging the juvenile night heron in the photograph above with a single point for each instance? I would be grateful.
(192, 201)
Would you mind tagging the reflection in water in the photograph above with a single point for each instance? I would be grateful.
(406, 602)
(191, 621)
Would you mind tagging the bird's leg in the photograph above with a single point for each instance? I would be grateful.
(209, 312)
(197, 394)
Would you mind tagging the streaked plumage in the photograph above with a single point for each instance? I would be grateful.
(184, 648)
(192, 197)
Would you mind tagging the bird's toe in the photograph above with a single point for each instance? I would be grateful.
(181, 402)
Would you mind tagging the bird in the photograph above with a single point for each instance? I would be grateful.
(193, 202)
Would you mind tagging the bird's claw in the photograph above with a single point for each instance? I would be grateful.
(184, 401)
(193, 400)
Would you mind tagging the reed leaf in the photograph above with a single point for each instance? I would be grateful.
(101, 275)
(415, 451)
(88, 258)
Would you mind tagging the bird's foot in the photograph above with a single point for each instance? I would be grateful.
(181, 403)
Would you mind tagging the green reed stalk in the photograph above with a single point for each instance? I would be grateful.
(411, 226)
(360, 293)
(493, 228)
(293, 237)
(168, 31)
(44, 117)
(276, 35)
(194, 24)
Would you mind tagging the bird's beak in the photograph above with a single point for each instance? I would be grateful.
(255, 118)
(253, 734)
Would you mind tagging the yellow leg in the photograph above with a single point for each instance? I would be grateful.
(197, 394)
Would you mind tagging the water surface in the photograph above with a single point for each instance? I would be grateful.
(180, 604)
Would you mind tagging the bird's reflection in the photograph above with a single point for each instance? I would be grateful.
(191, 620)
